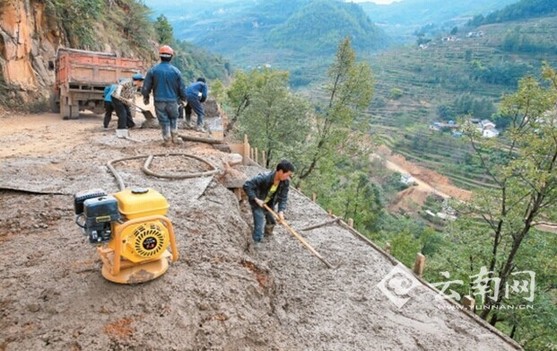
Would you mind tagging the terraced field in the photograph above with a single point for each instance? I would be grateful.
(439, 73)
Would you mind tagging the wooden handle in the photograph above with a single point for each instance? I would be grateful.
(297, 236)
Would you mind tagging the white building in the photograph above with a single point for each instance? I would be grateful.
(488, 129)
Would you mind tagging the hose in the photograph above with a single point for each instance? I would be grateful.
(146, 170)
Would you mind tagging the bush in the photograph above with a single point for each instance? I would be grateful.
(395, 94)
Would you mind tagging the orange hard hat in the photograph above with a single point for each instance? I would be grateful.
(166, 51)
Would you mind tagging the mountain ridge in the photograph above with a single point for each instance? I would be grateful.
(274, 27)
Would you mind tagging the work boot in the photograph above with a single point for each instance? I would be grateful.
(176, 139)
(269, 229)
(167, 142)
(166, 136)
(189, 123)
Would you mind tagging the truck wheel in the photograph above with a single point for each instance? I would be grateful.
(69, 111)
(54, 105)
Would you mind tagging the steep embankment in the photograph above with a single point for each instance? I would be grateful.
(28, 42)
(31, 31)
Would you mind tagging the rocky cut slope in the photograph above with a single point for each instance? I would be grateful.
(28, 42)
(31, 31)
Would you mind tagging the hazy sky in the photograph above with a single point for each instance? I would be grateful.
(376, 1)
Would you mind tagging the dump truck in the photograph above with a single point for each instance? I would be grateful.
(82, 75)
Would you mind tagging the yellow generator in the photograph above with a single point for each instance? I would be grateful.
(131, 230)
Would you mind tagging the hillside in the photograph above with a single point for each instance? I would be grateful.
(32, 31)
(523, 9)
(402, 19)
(316, 26)
(284, 34)
(431, 80)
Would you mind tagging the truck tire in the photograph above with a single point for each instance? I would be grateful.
(54, 104)
(69, 111)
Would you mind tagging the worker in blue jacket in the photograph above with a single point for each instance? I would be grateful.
(270, 189)
(196, 94)
(167, 85)
(108, 106)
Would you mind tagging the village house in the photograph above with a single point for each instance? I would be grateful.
(488, 129)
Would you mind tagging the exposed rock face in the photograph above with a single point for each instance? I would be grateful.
(28, 43)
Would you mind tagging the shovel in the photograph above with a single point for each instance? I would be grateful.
(146, 113)
(297, 236)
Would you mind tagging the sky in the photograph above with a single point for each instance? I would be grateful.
(383, 2)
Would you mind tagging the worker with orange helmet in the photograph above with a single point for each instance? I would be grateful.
(167, 85)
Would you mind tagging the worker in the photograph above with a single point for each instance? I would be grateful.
(268, 188)
(167, 85)
(123, 98)
(196, 94)
(108, 106)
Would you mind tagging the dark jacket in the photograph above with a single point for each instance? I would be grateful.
(166, 83)
(259, 186)
(197, 90)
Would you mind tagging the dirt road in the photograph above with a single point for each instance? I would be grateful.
(422, 185)
(222, 294)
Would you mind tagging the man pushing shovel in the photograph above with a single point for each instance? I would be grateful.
(268, 189)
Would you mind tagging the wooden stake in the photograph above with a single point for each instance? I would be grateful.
(263, 158)
(419, 264)
(245, 151)
(468, 302)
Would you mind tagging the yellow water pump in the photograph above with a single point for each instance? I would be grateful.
(131, 230)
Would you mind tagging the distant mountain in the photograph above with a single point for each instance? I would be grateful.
(420, 12)
(400, 19)
(522, 10)
(257, 32)
(319, 26)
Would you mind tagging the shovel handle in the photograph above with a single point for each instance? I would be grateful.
(297, 236)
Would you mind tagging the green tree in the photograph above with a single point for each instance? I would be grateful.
(349, 193)
(244, 86)
(445, 112)
(163, 28)
(275, 119)
(395, 93)
(349, 92)
(238, 96)
(525, 170)
(78, 19)
(136, 26)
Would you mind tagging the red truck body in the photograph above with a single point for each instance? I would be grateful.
(81, 77)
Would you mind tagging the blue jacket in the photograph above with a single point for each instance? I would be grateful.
(259, 186)
(108, 90)
(166, 83)
(194, 90)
